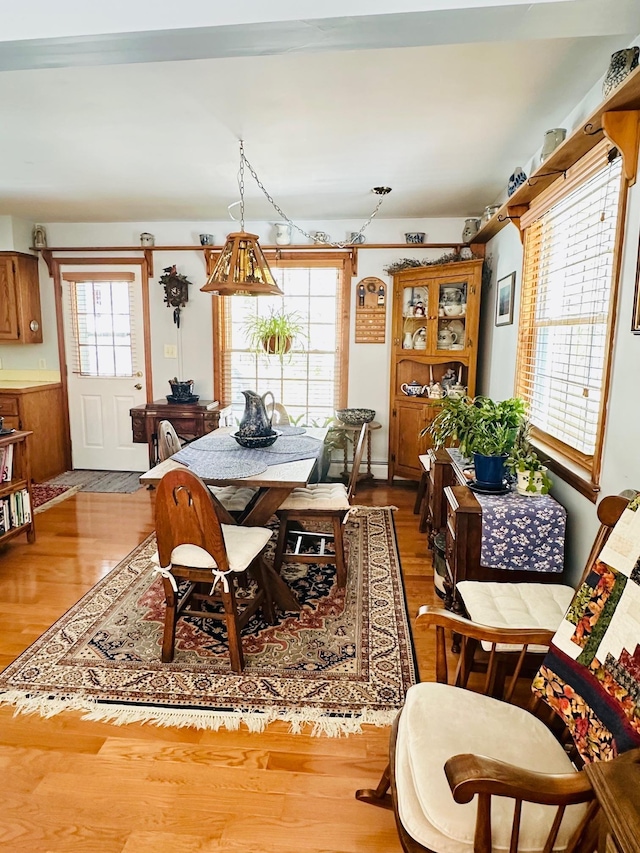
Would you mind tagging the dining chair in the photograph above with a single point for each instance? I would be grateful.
(320, 502)
(278, 414)
(235, 499)
(209, 557)
(532, 606)
(469, 772)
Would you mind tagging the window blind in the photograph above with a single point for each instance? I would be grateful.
(101, 320)
(311, 380)
(566, 304)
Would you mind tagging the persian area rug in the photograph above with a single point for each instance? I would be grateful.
(123, 482)
(345, 660)
(44, 495)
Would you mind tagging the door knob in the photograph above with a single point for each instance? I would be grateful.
(139, 373)
(138, 386)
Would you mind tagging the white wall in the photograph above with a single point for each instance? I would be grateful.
(368, 363)
(621, 459)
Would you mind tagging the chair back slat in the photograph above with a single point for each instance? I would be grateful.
(278, 414)
(357, 461)
(515, 827)
(555, 829)
(185, 514)
(168, 441)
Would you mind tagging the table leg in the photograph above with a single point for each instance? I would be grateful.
(266, 505)
(281, 592)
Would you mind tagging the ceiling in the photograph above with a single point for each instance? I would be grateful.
(106, 118)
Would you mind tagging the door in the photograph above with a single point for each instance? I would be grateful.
(104, 344)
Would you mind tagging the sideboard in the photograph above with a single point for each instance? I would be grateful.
(190, 420)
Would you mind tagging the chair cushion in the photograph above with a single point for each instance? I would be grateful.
(439, 721)
(320, 496)
(243, 544)
(515, 605)
(232, 498)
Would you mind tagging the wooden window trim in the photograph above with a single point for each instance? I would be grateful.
(282, 258)
(578, 470)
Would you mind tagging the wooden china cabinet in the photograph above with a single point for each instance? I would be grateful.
(436, 311)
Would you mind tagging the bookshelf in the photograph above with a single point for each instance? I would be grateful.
(16, 504)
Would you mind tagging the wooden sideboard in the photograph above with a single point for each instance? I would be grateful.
(38, 408)
(190, 420)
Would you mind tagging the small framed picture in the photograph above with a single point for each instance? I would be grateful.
(635, 319)
(504, 300)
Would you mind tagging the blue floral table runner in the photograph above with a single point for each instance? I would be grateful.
(522, 533)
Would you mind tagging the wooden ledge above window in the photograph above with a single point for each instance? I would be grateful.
(617, 118)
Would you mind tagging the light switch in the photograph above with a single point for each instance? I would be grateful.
(170, 351)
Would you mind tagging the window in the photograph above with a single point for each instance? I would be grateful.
(567, 308)
(310, 381)
(101, 323)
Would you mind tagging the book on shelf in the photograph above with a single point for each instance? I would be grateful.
(15, 510)
(6, 463)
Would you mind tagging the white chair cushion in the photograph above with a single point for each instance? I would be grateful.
(320, 496)
(232, 498)
(439, 721)
(242, 544)
(515, 605)
(425, 461)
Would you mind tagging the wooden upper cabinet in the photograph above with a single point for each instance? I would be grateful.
(20, 314)
(436, 312)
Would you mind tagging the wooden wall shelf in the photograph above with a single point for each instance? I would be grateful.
(307, 246)
(585, 137)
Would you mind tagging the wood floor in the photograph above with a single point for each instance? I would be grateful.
(69, 786)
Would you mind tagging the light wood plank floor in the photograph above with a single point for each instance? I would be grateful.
(70, 786)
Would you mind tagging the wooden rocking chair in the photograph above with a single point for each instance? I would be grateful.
(468, 772)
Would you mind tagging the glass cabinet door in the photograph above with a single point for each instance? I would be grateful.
(452, 315)
(415, 306)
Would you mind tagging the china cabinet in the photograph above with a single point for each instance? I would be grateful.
(20, 315)
(434, 348)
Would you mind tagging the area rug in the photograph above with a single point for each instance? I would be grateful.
(123, 482)
(345, 660)
(44, 495)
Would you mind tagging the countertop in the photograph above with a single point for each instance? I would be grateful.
(18, 384)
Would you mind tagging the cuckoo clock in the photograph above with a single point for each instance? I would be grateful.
(176, 291)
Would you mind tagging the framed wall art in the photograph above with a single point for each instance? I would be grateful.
(635, 317)
(504, 299)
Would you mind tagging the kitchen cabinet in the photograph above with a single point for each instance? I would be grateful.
(38, 407)
(436, 312)
(20, 314)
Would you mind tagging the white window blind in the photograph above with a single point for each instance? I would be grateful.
(308, 380)
(566, 304)
(101, 320)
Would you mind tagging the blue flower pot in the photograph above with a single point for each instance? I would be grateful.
(489, 470)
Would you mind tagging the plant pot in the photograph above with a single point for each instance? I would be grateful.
(276, 346)
(489, 470)
(530, 483)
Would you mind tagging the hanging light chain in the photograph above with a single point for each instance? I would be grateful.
(284, 216)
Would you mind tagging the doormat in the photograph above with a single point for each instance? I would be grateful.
(123, 482)
(345, 660)
(44, 496)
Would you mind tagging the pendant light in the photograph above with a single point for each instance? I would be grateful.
(242, 268)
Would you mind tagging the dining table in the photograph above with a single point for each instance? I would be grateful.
(213, 458)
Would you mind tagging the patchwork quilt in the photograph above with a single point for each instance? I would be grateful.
(591, 675)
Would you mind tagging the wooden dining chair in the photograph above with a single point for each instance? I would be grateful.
(235, 499)
(278, 414)
(321, 502)
(532, 606)
(469, 772)
(209, 557)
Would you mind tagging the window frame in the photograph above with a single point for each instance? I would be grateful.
(340, 261)
(579, 470)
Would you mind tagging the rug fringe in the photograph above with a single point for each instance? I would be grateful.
(321, 723)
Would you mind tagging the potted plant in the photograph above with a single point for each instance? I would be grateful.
(274, 334)
(531, 473)
(484, 428)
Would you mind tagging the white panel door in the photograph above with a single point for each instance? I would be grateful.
(104, 343)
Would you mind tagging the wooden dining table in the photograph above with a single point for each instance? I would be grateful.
(274, 484)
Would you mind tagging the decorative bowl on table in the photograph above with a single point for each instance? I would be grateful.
(255, 442)
(355, 417)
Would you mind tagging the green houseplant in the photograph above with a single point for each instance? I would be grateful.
(483, 428)
(275, 333)
(523, 461)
